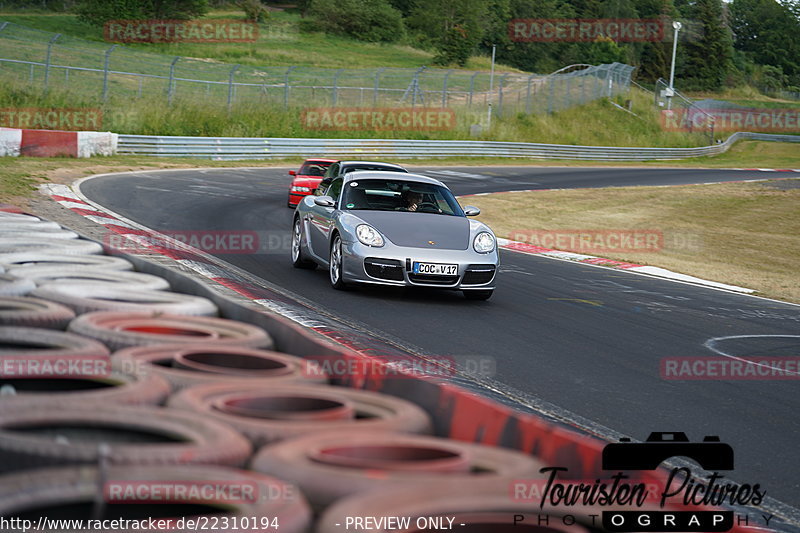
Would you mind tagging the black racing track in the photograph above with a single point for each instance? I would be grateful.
(579, 342)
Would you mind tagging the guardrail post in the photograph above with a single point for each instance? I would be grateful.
(105, 72)
(286, 86)
(377, 86)
(335, 95)
(471, 87)
(230, 86)
(47, 62)
(171, 86)
(444, 88)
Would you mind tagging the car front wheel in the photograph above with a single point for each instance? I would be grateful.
(335, 264)
(298, 261)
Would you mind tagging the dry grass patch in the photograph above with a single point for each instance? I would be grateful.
(745, 234)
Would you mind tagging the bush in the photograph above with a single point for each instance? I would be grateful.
(365, 20)
(98, 12)
(254, 10)
(454, 47)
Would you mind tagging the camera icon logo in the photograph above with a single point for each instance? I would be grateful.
(711, 454)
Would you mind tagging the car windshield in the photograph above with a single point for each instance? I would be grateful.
(314, 169)
(367, 166)
(399, 195)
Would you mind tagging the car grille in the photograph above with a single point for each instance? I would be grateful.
(388, 269)
(478, 274)
(433, 280)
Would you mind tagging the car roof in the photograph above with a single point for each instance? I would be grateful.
(397, 176)
(392, 165)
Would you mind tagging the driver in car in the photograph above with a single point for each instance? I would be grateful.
(413, 199)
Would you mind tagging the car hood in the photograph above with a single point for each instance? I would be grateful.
(306, 181)
(417, 229)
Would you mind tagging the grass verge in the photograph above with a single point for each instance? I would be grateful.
(745, 234)
(279, 43)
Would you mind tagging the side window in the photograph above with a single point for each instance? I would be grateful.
(332, 170)
(326, 180)
(335, 189)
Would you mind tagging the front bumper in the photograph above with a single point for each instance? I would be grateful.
(392, 265)
(297, 197)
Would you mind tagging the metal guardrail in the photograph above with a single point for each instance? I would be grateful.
(232, 148)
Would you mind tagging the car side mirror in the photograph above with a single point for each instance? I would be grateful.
(292, 173)
(324, 201)
(471, 211)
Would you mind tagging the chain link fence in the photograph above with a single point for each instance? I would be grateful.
(688, 113)
(49, 60)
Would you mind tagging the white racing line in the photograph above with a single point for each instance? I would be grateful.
(710, 344)
(779, 509)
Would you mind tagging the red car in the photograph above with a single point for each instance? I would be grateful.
(307, 178)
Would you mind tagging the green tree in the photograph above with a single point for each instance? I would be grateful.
(768, 34)
(709, 58)
(98, 12)
(454, 27)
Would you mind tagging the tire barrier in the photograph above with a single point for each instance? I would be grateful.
(367, 461)
(99, 383)
(38, 342)
(33, 312)
(40, 436)
(70, 275)
(13, 286)
(74, 491)
(267, 415)
(186, 365)
(28, 225)
(59, 246)
(46, 259)
(87, 297)
(482, 506)
(318, 435)
(6, 216)
(35, 233)
(119, 330)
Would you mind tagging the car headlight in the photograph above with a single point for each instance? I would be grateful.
(368, 235)
(483, 243)
(300, 189)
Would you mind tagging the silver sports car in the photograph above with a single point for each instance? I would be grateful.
(389, 228)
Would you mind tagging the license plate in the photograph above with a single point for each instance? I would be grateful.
(435, 269)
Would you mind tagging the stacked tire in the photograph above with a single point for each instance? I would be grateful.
(112, 381)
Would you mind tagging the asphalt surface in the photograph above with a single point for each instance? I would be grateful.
(580, 343)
